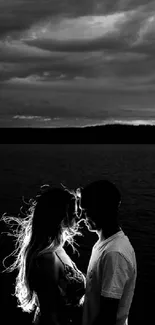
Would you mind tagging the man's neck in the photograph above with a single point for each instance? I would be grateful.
(106, 234)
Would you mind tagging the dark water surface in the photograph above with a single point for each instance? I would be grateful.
(24, 167)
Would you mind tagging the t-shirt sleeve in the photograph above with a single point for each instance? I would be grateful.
(114, 273)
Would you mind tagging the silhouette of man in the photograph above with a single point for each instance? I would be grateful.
(111, 273)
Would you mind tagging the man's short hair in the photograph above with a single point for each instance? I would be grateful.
(100, 195)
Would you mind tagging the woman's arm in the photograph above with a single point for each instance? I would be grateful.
(48, 290)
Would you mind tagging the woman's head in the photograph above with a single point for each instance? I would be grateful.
(55, 210)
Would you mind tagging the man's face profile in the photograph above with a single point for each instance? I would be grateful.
(89, 222)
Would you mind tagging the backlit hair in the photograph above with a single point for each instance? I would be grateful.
(49, 221)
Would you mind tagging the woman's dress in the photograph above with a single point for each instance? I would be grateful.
(71, 286)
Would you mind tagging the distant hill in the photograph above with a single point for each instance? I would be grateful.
(93, 134)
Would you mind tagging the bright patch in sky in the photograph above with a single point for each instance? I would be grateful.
(82, 28)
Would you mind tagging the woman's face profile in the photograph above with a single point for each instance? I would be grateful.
(90, 224)
(78, 209)
(73, 212)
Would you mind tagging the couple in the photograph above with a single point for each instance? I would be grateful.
(48, 282)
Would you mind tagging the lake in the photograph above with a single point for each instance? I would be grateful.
(24, 167)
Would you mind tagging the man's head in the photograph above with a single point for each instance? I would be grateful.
(100, 201)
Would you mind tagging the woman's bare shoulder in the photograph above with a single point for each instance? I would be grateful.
(47, 264)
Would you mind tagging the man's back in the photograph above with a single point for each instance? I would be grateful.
(111, 273)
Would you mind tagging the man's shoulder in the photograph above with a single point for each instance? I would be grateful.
(121, 244)
(123, 253)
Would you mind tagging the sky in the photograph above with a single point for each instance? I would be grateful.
(77, 60)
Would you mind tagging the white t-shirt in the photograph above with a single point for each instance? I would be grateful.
(111, 273)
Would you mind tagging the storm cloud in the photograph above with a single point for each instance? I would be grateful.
(75, 45)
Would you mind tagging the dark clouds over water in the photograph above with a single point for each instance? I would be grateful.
(94, 53)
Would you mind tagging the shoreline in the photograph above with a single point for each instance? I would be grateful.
(115, 133)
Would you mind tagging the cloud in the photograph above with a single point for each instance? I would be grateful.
(82, 65)
(119, 31)
(80, 28)
(30, 79)
(18, 15)
(95, 56)
(146, 32)
(78, 34)
(16, 50)
(79, 84)
(108, 41)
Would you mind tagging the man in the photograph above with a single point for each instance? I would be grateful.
(111, 273)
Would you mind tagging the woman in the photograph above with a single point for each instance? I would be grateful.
(48, 281)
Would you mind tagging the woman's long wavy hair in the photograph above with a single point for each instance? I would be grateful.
(49, 221)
